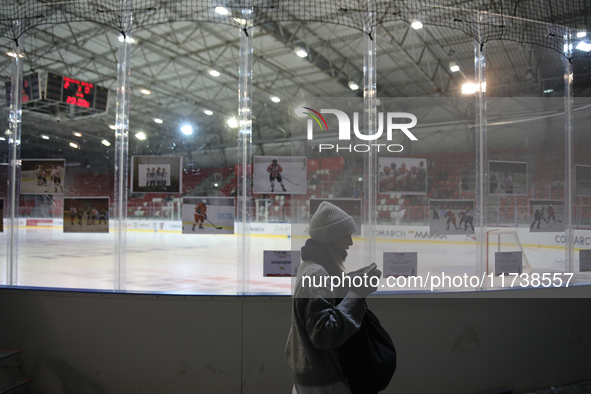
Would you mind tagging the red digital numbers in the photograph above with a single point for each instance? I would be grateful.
(75, 92)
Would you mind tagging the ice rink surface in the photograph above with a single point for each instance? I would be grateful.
(207, 264)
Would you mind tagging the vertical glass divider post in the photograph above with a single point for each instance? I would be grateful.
(481, 155)
(568, 155)
(122, 147)
(14, 156)
(370, 188)
(244, 187)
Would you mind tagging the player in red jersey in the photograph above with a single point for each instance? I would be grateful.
(462, 216)
(200, 214)
(451, 217)
(275, 171)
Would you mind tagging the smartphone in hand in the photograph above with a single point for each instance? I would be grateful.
(370, 267)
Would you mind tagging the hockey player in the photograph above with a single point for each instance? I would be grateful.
(102, 215)
(56, 177)
(462, 216)
(508, 183)
(388, 181)
(80, 215)
(402, 178)
(494, 178)
(72, 215)
(94, 214)
(148, 177)
(435, 213)
(412, 179)
(153, 177)
(551, 215)
(200, 214)
(537, 218)
(41, 176)
(469, 220)
(164, 176)
(88, 216)
(275, 171)
(451, 217)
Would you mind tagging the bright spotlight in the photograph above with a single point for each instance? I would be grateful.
(214, 73)
(353, 85)
(233, 123)
(453, 67)
(471, 88)
(159, 121)
(45, 137)
(73, 145)
(141, 136)
(417, 25)
(584, 46)
(187, 129)
(275, 99)
(208, 112)
(105, 143)
(222, 10)
(582, 34)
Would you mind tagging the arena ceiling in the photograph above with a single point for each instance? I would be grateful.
(174, 60)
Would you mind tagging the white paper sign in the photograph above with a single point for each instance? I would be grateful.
(585, 260)
(508, 263)
(400, 264)
(283, 263)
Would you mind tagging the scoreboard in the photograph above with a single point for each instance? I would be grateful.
(31, 88)
(75, 92)
(87, 97)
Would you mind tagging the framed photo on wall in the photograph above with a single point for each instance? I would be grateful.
(156, 174)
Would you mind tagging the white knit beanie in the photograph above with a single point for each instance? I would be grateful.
(330, 223)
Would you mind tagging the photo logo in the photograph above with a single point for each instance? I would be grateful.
(345, 128)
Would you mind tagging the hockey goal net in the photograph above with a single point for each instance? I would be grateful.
(504, 240)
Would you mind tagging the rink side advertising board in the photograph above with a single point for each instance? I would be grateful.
(281, 263)
(585, 260)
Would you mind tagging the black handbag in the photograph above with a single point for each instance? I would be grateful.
(368, 357)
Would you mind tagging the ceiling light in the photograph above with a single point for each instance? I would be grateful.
(584, 46)
(582, 34)
(214, 73)
(215, 185)
(187, 129)
(300, 52)
(353, 85)
(105, 143)
(275, 99)
(8, 132)
(2, 139)
(145, 91)
(233, 123)
(45, 137)
(548, 91)
(453, 67)
(127, 39)
(208, 112)
(78, 134)
(156, 120)
(141, 135)
(471, 88)
(13, 54)
(73, 145)
(222, 10)
(417, 25)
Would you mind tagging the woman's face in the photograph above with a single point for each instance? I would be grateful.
(344, 243)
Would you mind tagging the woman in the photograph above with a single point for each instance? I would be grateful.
(324, 318)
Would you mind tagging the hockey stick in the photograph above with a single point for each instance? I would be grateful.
(216, 227)
(295, 184)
